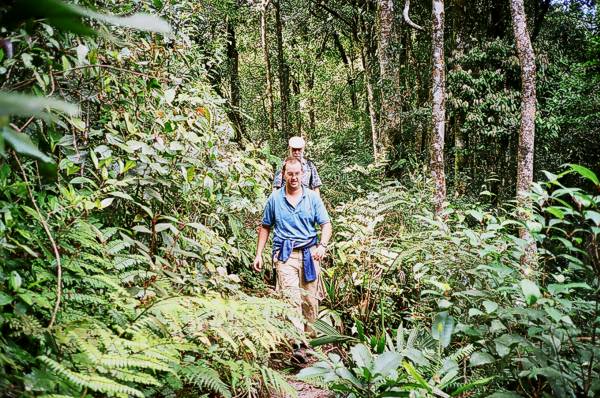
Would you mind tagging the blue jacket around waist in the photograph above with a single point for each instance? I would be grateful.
(285, 247)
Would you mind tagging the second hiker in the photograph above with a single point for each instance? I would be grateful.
(310, 176)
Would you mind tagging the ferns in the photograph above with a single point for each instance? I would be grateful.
(91, 382)
(275, 381)
(205, 377)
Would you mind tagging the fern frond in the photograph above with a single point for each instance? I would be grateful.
(205, 377)
(274, 380)
(462, 353)
(137, 361)
(91, 382)
(133, 376)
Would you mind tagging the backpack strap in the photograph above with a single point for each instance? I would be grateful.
(311, 166)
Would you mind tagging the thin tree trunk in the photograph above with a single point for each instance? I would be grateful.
(390, 87)
(265, 48)
(370, 100)
(296, 106)
(527, 129)
(284, 80)
(349, 73)
(310, 85)
(459, 139)
(439, 107)
(234, 82)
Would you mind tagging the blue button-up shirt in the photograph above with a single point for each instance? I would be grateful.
(295, 223)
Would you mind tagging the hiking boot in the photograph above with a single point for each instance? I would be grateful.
(299, 356)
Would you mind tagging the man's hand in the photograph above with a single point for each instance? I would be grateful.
(257, 264)
(319, 253)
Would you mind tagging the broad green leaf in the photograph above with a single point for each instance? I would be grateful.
(592, 215)
(29, 105)
(585, 172)
(555, 211)
(475, 312)
(480, 358)
(531, 291)
(442, 328)
(5, 299)
(14, 281)
(416, 356)
(386, 363)
(313, 372)
(139, 21)
(83, 180)
(558, 288)
(104, 203)
(22, 144)
(490, 306)
(554, 313)
(361, 356)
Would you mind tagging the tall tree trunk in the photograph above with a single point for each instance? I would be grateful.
(459, 139)
(439, 107)
(265, 49)
(234, 83)
(284, 73)
(367, 55)
(370, 99)
(390, 87)
(527, 129)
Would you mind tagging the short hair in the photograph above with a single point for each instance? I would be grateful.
(288, 160)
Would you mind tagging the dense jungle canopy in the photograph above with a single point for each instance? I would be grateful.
(459, 147)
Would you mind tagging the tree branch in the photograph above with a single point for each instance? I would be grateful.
(52, 242)
(407, 17)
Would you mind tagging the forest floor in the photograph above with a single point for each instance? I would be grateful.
(308, 391)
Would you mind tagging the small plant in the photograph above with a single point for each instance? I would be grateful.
(410, 362)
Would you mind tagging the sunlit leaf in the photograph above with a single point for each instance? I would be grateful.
(28, 105)
(22, 144)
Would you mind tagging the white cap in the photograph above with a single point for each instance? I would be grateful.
(297, 142)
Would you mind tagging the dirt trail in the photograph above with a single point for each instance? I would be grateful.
(308, 391)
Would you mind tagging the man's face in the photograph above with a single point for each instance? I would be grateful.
(297, 152)
(293, 174)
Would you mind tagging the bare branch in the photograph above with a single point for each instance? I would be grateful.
(52, 243)
(407, 17)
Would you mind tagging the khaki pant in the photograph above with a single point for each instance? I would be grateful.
(304, 296)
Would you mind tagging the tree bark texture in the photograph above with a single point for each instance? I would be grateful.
(284, 73)
(391, 103)
(234, 82)
(439, 107)
(527, 128)
(269, 78)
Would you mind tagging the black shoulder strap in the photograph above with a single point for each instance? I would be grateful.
(311, 165)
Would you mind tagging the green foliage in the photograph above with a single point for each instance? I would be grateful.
(509, 330)
(401, 369)
(148, 216)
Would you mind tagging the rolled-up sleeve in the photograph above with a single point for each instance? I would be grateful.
(269, 212)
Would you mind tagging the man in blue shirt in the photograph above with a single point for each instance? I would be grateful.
(293, 211)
